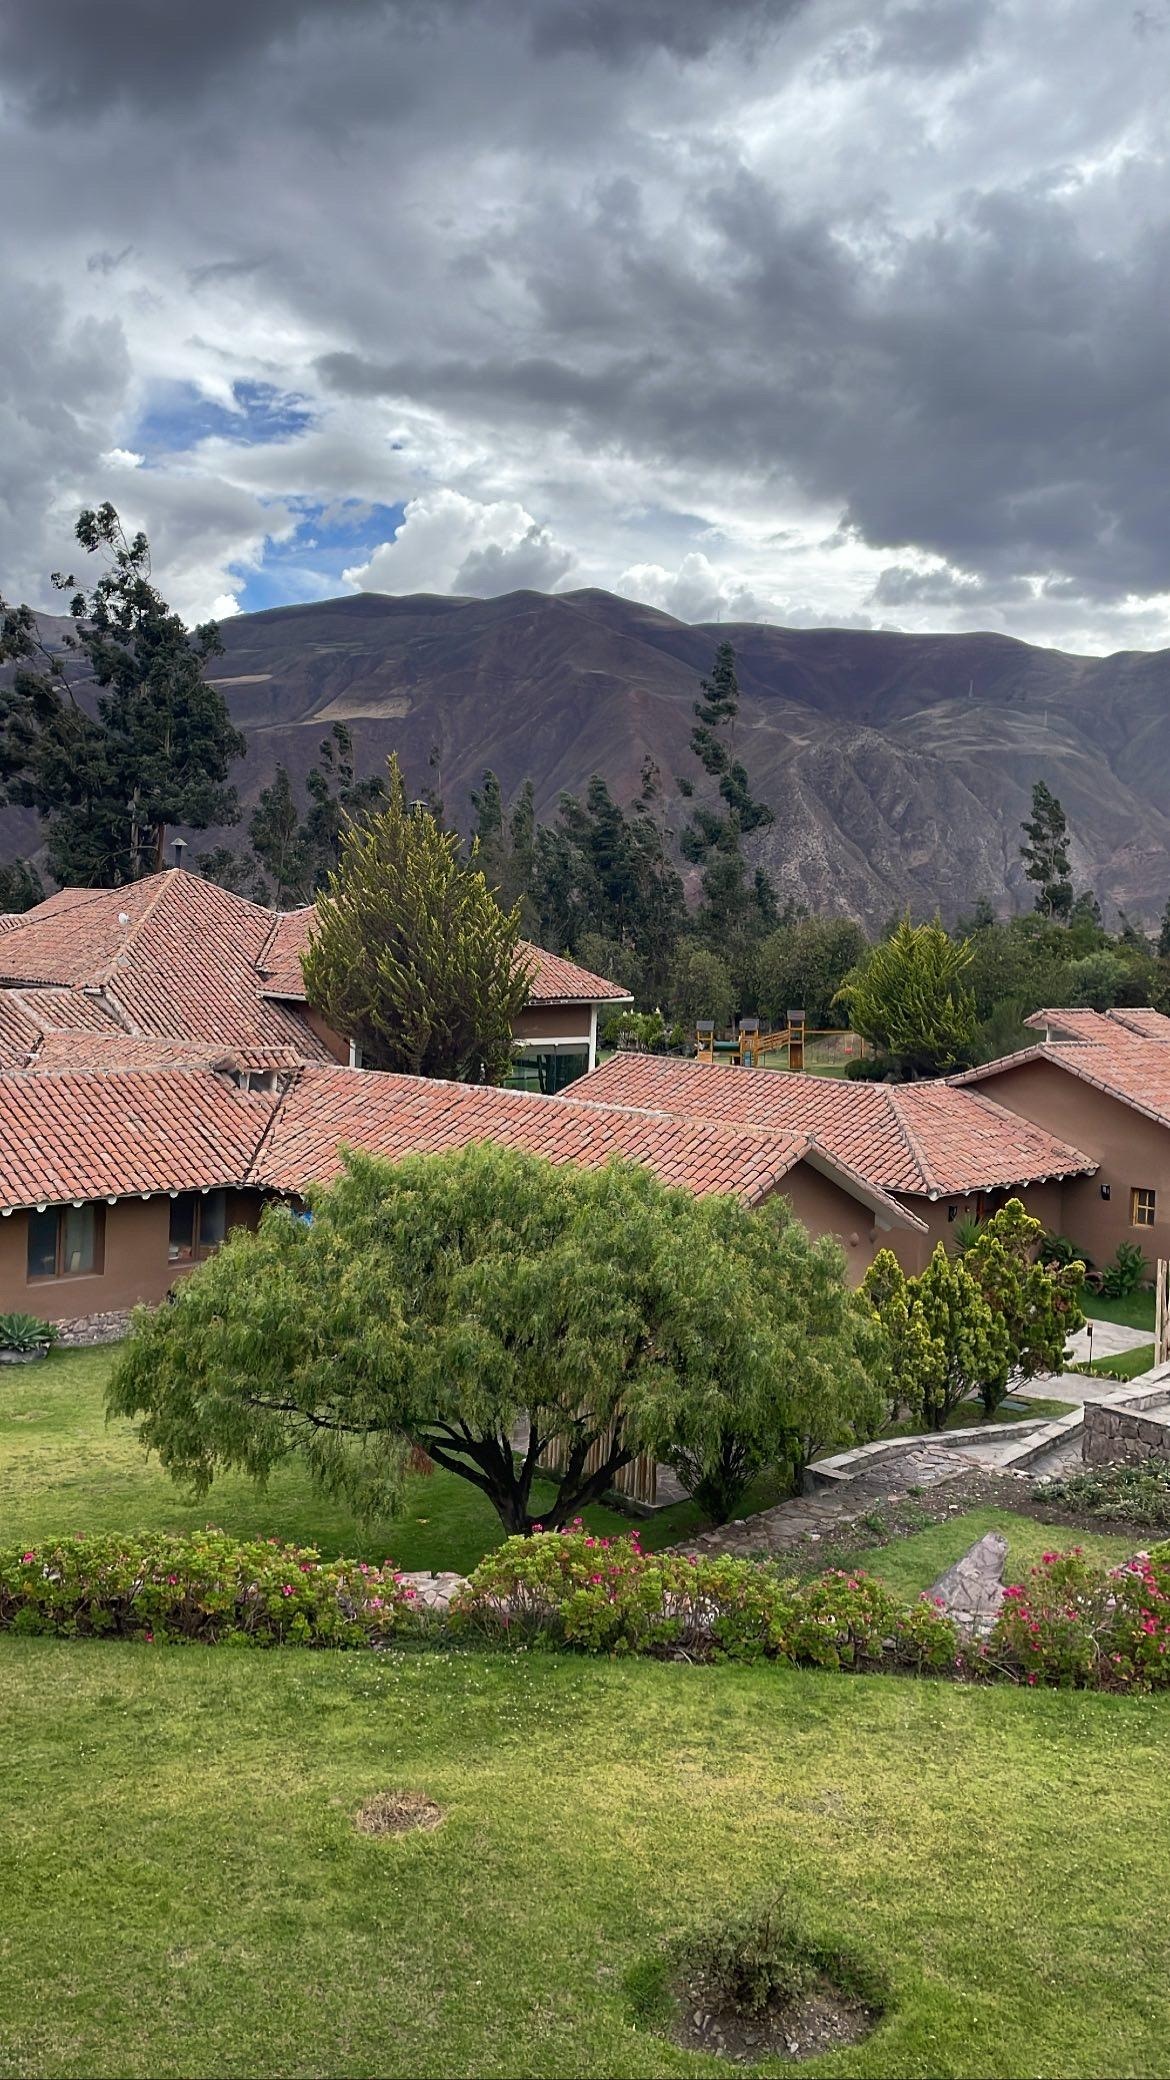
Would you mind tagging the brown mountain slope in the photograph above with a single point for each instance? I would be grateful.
(898, 766)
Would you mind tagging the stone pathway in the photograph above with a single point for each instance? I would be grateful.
(1109, 1340)
(829, 1511)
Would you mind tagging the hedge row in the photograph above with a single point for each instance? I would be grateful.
(1071, 1623)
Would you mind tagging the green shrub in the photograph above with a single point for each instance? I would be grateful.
(206, 1587)
(1136, 1494)
(571, 1589)
(1062, 1250)
(751, 1962)
(1079, 1625)
(26, 1332)
(1124, 1272)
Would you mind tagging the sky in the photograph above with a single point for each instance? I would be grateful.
(824, 312)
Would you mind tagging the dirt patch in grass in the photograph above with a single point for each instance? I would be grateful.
(397, 1812)
(824, 2019)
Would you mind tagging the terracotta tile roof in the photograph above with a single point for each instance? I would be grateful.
(116, 1050)
(391, 1116)
(173, 1120)
(922, 1138)
(27, 1016)
(172, 955)
(97, 1134)
(561, 981)
(1102, 1028)
(554, 980)
(1135, 1071)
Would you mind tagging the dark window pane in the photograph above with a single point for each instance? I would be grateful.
(212, 1220)
(182, 1244)
(42, 1243)
(79, 1240)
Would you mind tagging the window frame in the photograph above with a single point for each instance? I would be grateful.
(199, 1249)
(94, 1270)
(1143, 1206)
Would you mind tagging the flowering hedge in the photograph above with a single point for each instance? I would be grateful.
(205, 1587)
(1077, 1624)
(608, 1596)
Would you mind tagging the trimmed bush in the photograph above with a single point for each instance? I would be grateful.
(607, 1596)
(208, 1588)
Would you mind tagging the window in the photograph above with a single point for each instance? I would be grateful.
(65, 1241)
(1141, 1208)
(198, 1225)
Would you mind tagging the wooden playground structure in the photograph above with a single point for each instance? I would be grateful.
(822, 1048)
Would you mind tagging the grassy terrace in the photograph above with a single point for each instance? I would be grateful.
(185, 1892)
(182, 1888)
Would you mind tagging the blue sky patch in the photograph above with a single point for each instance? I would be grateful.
(180, 414)
(329, 539)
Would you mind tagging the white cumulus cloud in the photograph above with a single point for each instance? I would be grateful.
(451, 543)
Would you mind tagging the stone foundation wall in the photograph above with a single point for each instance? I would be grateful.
(95, 1328)
(1122, 1436)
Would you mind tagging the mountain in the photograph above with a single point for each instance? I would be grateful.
(898, 766)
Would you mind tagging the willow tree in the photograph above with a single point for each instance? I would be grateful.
(410, 954)
(502, 1315)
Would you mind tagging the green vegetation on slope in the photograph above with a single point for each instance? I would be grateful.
(911, 1564)
(184, 1890)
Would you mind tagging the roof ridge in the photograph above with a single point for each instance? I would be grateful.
(133, 930)
(914, 1145)
(252, 1165)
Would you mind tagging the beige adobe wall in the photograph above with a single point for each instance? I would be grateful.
(825, 1209)
(136, 1265)
(913, 1251)
(338, 1047)
(1130, 1149)
(553, 1022)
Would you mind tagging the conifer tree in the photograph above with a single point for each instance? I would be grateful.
(411, 955)
(160, 747)
(1045, 854)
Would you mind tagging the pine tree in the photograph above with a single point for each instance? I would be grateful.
(734, 906)
(1045, 854)
(161, 745)
(411, 955)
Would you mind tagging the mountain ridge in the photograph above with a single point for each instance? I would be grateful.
(898, 766)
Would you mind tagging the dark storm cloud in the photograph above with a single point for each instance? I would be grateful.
(904, 263)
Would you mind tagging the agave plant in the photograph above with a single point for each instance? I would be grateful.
(26, 1332)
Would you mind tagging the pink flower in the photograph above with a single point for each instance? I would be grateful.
(286, 1589)
(26, 1557)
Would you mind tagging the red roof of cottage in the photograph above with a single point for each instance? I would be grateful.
(1125, 1053)
(923, 1138)
(554, 979)
(172, 955)
(96, 1134)
(174, 1118)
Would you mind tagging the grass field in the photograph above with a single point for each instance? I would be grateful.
(1136, 1311)
(1123, 1364)
(912, 1563)
(182, 1889)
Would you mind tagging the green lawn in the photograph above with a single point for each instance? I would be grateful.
(1127, 1364)
(911, 1564)
(63, 1470)
(182, 1890)
(1136, 1311)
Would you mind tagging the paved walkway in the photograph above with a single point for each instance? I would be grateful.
(823, 1514)
(1110, 1339)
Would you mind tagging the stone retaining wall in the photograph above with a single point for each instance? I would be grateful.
(94, 1328)
(1124, 1436)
